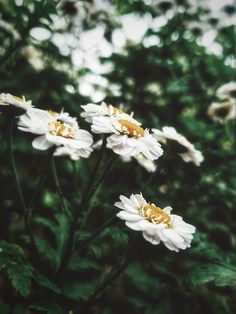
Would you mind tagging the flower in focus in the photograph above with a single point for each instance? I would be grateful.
(92, 110)
(14, 105)
(155, 223)
(227, 91)
(128, 137)
(54, 128)
(222, 111)
(181, 145)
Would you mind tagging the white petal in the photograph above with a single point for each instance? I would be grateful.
(41, 143)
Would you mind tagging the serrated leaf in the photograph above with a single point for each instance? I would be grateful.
(218, 274)
(20, 276)
(78, 290)
(42, 280)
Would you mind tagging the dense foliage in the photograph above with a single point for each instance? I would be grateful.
(173, 83)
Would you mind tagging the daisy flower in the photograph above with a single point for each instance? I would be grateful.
(157, 225)
(92, 110)
(227, 91)
(13, 104)
(128, 137)
(54, 129)
(184, 148)
(222, 111)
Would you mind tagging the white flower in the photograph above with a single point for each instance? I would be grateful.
(227, 91)
(9, 102)
(92, 110)
(222, 111)
(128, 137)
(155, 223)
(74, 154)
(54, 129)
(184, 148)
(34, 56)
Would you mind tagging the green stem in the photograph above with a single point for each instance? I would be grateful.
(96, 168)
(87, 197)
(59, 190)
(36, 256)
(40, 182)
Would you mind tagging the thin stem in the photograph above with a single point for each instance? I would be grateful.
(59, 190)
(36, 258)
(96, 167)
(84, 202)
(95, 234)
(40, 182)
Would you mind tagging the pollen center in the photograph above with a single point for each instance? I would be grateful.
(61, 129)
(131, 129)
(155, 215)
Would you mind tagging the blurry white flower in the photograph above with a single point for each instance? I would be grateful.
(11, 103)
(9, 29)
(34, 57)
(74, 154)
(222, 111)
(93, 110)
(227, 91)
(54, 130)
(184, 148)
(155, 223)
(128, 137)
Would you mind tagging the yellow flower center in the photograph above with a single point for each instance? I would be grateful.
(155, 215)
(61, 129)
(131, 129)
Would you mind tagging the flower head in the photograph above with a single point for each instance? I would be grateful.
(128, 137)
(183, 147)
(147, 164)
(14, 105)
(222, 111)
(92, 110)
(155, 223)
(227, 91)
(54, 128)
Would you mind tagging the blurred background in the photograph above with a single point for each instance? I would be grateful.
(164, 60)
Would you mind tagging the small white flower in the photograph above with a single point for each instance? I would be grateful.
(92, 110)
(128, 137)
(74, 154)
(155, 223)
(227, 91)
(34, 56)
(185, 149)
(9, 102)
(54, 128)
(222, 111)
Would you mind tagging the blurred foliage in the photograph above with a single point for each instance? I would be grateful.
(169, 83)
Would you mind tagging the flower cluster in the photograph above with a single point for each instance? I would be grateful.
(225, 108)
(126, 137)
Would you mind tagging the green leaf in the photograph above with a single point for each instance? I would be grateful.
(20, 276)
(77, 262)
(42, 280)
(78, 290)
(219, 274)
